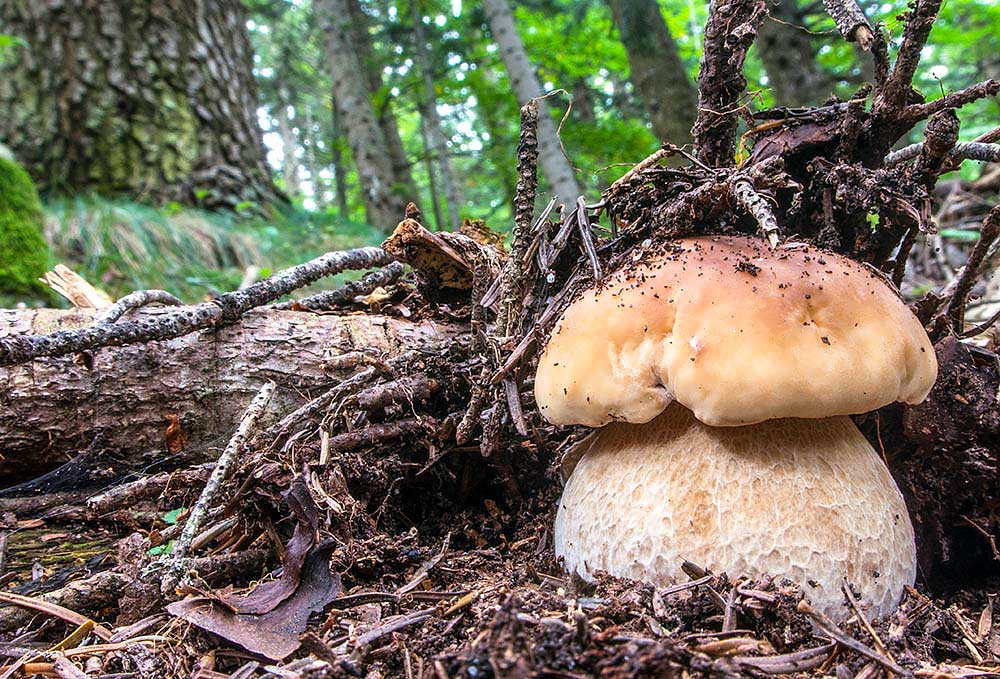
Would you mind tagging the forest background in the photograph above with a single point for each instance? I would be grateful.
(197, 148)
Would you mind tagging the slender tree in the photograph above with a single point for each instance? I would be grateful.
(524, 83)
(289, 146)
(437, 144)
(381, 187)
(789, 55)
(658, 73)
(148, 98)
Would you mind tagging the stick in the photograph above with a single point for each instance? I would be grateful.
(225, 310)
(966, 278)
(896, 90)
(964, 150)
(346, 293)
(174, 563)
(754, 203)
(136, 300)
(731, 29)
(851, 22)
(829, 628)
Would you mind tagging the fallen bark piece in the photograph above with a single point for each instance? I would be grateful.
(274, 635)
(53, 407)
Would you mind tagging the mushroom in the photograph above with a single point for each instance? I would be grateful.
(754, 468)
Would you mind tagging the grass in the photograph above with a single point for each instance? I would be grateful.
(121, 246)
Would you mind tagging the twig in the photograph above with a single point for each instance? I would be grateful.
(895, 93)
(67, 670)
(789, 663)
(982, 327)
(583, 224)
(174, 563)
(829, 628)
(754, 203)
(879, 646)
(345, 294)
(966, 278)
(964, 150)
(137, 300)
(731, 29)
(916, 112)
(851, 22)
(224, 310)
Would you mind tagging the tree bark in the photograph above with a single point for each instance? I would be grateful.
(657, 71)
(789, 55)
(385, 192)
(54, 407)
(524, 83)
(148, 98)
(435, 129)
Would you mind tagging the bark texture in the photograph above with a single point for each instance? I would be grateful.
(656, 68)
(385, 190)
(524, 83)
(52, 407)
(789, 55)
(149, 98)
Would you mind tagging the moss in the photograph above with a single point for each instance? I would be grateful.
(24, 254)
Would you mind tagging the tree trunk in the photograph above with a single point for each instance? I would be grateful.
(524, 83)
(657, 71)
(385, 204)
(789, 56)
(432, 180)
(289, 145)
(337, 161)
(148, 98)
(381, 101)
(53, 407)
(435, 130)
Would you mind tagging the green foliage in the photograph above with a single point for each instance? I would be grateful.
(123, 246)
(24, 256)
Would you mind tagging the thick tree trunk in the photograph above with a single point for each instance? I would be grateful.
(524, 82)
(148, 98)
(53, 407)
(384, 197)
(789, 56)
(435, 129)
(657, 71)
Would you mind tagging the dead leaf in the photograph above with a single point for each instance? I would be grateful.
(176, 436)
(274, 634)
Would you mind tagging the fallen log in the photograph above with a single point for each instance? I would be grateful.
(52, 407)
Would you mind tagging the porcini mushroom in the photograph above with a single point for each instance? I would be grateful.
(771, 349)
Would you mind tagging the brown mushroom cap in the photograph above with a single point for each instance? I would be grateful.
(738, 333)
(807, 500)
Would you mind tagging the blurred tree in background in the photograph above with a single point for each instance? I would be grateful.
(361, 106)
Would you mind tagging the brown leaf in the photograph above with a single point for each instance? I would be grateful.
(266, 596)
(276, 633)
(176, 437)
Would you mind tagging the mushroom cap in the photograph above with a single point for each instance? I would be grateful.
(737, 332)
(807, 500)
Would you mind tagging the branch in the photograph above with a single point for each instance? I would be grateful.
(896, 91)
(345, 294)
(224, 310)
(967, 276)
(964, 150)
(137, 300)
(731, 29)
(851, 22)
(917, 112)
(751, 201)
(174, 563)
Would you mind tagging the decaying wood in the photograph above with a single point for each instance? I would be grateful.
(53, 407)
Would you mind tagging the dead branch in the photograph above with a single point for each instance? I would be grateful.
(324, 301)
(895, 94)
(829, 628)
(851, 22)
(914, 113)
(731, 29)
(225, 310)
(173, 565)
(758, 207)
(137, 300)
(967, 277)
(964, 150)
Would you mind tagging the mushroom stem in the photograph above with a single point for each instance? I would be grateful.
(806, 500)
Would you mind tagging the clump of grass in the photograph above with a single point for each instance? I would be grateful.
(123, 246)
